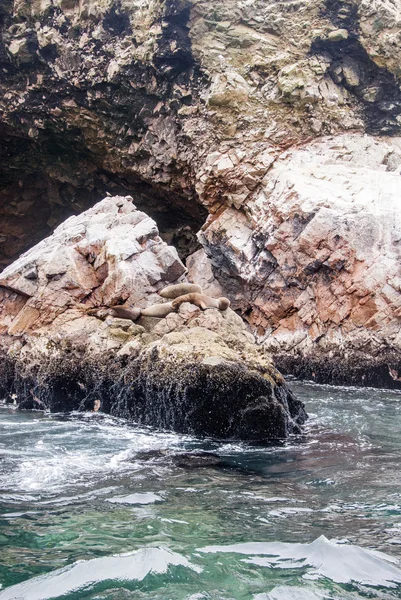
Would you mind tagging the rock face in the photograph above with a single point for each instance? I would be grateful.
(182, 102)
(199, 108)
(315, 264)
(193, 371)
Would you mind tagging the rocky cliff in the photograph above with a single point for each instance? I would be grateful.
(271, 126)
(63, 347)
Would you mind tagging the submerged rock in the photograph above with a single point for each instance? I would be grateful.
(195, 460)
(192, 371)
(185, 460)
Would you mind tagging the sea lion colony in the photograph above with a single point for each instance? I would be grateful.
(178, 294)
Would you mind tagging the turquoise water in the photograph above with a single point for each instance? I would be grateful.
(94, 508)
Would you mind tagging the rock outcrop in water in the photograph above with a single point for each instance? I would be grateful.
(315, 265)
(193, 371)
(209, 113)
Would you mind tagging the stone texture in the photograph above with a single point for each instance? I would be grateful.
(184, 104)
(315, 264)
(193, 371)
(191, 105)
(110, 254)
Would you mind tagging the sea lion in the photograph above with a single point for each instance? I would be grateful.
(119, 312)
(174, 291)
(204, 302)
(158, 310)
(125, 312)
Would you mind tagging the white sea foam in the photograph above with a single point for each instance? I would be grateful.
(140, 498)
(125, 567)
(83, 451)
(174, 521)
(342, 563)
(284, 592)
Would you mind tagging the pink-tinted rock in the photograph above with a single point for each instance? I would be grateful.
(62, 348)
(314, 264)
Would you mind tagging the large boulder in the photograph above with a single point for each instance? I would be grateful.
(192, 371)
(314, 265)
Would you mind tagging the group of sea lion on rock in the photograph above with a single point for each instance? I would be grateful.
(178, 294)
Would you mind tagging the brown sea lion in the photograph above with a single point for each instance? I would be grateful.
(158, 310)
(174, 291)
(125, 312)
(204, 302)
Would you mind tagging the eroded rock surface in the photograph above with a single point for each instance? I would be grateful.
(183, 103)
(315, 264)
(193, 371)
(191, 106)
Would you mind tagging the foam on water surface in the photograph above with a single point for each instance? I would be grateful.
(135, 566)
(290, 593)
(144, 498)
(342, 563)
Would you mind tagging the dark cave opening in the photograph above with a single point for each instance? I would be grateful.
(39, 191)
(67, 145)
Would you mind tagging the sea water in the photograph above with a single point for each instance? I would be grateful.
(92, 507)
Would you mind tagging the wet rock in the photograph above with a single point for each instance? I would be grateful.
(196, 460)
(192, 371)
(184, 460)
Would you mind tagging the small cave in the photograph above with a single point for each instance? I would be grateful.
(32, 207)
(376, 89)
(66, 146)
(39, 191)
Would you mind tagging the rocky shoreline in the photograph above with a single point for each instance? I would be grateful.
(358, 369)
(213, 398)
(262, 138)
(192, 370)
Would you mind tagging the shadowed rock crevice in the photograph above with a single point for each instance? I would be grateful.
(174, 54)
(375, 88)
(116, 20)
(351, 67)
(342, 13)
(71, 134)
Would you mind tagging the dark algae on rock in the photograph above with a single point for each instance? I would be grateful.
(192, 369)
(224, 401)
